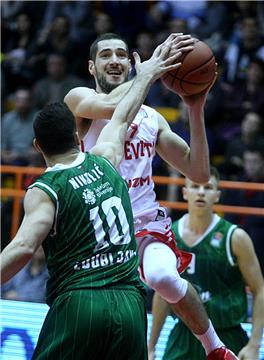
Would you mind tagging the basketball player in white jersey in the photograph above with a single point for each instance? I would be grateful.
(161, 261)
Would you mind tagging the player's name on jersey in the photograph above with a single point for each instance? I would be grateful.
(105, 259)
(136, 149)
(86, 178)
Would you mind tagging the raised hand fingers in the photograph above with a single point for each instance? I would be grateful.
(137, 59)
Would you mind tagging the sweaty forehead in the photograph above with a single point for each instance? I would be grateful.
(112, 44)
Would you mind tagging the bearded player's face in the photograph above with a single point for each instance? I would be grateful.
(112, 65)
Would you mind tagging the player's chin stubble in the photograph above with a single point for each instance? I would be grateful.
(105, 86)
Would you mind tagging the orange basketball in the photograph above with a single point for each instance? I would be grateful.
(196, 73)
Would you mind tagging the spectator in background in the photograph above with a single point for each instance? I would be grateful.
(178, 25)
(79, 14)
(192, 11)
(243, 9)
(29, 284)
(128, 17)
(10, 9)
(18, 39)
(247, 94)
(17, 131)
(181, 127)
(102, 24)
(159, 95)
(253, 171)
(157, 16)
(57, 83)
(252, 127)
(145, 44)
(54, 38)
(247, 45)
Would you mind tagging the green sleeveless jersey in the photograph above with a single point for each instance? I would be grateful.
(92, 243)
(214, 273)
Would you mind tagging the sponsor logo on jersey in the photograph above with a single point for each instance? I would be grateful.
(139, 181)
(103, 189)
(216, 239)
(89, 197)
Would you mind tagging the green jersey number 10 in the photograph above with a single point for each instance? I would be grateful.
(110, 219)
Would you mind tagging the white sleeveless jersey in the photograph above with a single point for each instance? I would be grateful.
(136, 166)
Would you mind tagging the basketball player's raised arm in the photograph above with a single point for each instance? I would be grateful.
(192, 161)
(87, 103)
(36, 224)
(110, 143)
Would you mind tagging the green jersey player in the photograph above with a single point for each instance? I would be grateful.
(79, 211)
(223, 262)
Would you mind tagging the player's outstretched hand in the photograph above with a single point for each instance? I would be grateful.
(164, 58)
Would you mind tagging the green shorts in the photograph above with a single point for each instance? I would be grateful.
(183, 345)
(109, 324)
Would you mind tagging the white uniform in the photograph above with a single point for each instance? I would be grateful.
(136, 167)
(152, 226)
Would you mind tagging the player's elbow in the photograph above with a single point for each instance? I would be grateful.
(26, 249)
(68, 101)
(72, 100)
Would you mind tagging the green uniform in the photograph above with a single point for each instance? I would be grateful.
(97, 307)
(217, 278)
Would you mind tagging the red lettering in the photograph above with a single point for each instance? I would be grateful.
(128, 155)
(135, 182)
(134, 128)
(140, 148)
(139, 181)
(148, 146)
(135, 150)
(144, 180)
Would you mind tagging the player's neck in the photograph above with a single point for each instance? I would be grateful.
(66, 158)
(198, 223)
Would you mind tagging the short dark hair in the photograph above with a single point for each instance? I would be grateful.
(106, 36)
(54, 128)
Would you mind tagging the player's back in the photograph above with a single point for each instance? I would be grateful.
(92, 243)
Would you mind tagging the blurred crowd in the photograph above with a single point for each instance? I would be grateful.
(45, 52)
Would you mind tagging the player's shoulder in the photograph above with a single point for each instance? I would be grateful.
(79, 92)
(149, 110)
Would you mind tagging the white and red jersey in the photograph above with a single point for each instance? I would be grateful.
(136, 166)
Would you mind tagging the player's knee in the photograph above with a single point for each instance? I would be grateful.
(158, 280)
(171, 287)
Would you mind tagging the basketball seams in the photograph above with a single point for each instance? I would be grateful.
(196, 73)
(174, 73)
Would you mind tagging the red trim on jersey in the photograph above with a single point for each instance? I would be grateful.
(184, 258)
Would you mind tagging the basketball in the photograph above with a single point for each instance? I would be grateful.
(196, 72)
